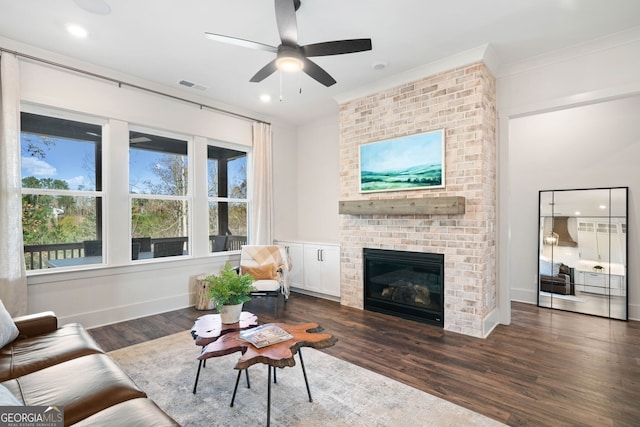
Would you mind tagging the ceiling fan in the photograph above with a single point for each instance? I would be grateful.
(290, 56)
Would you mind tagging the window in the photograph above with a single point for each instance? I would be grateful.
(74, 182)
(227, 195)
(61, 191)
(159, 191)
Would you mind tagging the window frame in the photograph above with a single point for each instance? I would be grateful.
(189, 197)
(97, 194)
(248, 151)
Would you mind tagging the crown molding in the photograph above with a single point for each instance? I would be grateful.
(484, 53)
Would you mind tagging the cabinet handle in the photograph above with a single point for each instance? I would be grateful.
(319, 256)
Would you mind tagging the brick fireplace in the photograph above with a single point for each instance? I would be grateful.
(462, 102)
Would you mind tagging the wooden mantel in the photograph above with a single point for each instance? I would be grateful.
(418, 206)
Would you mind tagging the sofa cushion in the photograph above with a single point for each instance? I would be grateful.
(28, 355)
(261, 272)
(83, 386)
(8, 329)
(132, 413)
(7, 398)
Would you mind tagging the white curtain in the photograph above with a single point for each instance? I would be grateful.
(261, 221)
(13, 277)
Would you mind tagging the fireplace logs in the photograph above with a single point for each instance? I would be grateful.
(407, 292)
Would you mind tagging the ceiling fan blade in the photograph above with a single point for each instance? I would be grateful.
(286, 20)
(241, 42)
(337, 47)
(264, 72)
(314, 71)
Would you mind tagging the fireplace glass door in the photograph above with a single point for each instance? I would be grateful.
(405, 284)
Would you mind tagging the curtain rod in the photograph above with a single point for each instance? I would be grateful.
(121, 83)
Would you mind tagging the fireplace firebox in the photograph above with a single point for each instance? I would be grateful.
(405, 284)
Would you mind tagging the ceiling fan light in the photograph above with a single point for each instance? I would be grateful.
(289, 64)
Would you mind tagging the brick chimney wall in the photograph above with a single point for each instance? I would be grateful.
(461, 101)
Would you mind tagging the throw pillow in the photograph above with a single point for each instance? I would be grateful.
(7, 398)
(8, 329)
(549, 268)
(262, 272)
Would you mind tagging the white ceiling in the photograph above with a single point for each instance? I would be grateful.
(163, 41)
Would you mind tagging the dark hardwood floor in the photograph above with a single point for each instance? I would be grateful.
(548, 368)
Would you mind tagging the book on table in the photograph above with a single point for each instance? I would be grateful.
(265, 335)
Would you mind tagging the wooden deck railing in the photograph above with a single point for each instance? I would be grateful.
(36, 256)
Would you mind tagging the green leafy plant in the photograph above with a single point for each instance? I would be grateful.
(229, 287)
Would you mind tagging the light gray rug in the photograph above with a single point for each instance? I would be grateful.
(343, 394)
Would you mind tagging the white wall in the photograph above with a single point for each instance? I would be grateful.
(568, 120)
(285, 182)
(319, 180)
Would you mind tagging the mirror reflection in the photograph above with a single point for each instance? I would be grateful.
(582, 251)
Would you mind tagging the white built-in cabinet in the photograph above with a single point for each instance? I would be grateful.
(602, 240)
(600, 283)
(315, 267)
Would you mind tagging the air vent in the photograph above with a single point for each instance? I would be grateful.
(192, 85)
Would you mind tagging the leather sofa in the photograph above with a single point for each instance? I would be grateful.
(63, 366)
(563, 283)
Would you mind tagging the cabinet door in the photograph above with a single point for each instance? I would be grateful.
(331, 270)
(322, 269)
(312, 268)
(587, 241)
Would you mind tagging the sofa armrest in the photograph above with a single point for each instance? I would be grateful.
(36, 324)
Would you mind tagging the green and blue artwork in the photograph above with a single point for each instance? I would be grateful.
(406, 163)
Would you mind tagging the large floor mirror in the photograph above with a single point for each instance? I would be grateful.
(582, 251)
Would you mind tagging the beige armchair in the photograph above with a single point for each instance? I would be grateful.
(269, 265)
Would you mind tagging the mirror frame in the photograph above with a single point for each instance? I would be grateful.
(574, 281)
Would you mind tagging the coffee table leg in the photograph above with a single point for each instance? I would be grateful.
(235, 389)
(269, 395)
(197, 376)
(304, 372)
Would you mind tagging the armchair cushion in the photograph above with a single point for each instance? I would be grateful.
(8, 329)
(266, 285)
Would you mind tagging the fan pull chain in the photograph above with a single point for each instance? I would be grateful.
(280, 86)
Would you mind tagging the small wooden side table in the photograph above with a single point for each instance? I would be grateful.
(274, 356)
(209, 328)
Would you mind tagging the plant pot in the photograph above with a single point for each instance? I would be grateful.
(230, 313)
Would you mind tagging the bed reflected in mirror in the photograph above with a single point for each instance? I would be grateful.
(582, 251)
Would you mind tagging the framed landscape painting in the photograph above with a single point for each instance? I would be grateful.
(405, 163)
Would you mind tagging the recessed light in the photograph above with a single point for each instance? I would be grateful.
(77, 30)
(603, 206)
(380, 65)
(265, 97)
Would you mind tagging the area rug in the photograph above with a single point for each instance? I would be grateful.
(343, 394)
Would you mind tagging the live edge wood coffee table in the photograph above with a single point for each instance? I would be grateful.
(278, 355)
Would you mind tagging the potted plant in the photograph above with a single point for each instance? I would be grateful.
(229, 291)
